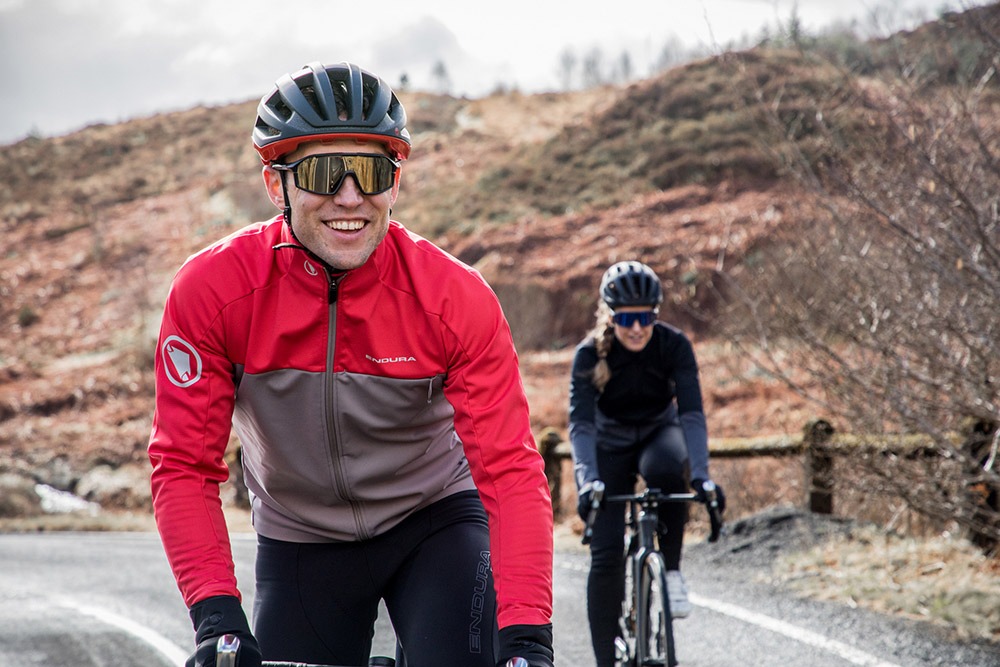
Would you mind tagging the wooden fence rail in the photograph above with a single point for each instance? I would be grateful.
(818, 442)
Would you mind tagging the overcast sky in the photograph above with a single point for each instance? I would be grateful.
(65, 64)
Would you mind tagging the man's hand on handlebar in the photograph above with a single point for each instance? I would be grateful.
(526, 646)
(216, 617)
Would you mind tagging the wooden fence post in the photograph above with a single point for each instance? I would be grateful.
(819, 465)
(548, 443)
(980, 440)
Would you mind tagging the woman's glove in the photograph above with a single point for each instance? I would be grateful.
(698, 485)
(530, 642)
(585, 500)
(217, 616)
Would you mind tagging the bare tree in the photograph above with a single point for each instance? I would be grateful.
(439, 74)
(794, 30)
(593, 68)
(567, 66)
(884, 306)
(624, 68)
(672, 53)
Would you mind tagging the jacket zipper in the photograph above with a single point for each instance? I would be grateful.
(333, 283)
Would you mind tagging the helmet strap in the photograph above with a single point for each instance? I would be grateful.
(287, 214)
(287, 211)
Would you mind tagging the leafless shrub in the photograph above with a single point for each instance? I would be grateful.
(888, 296)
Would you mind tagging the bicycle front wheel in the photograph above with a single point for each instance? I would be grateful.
(655, 630)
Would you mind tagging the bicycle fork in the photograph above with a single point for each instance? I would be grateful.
(648, 573)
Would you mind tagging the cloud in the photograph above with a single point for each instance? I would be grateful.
(419, 49)
(82, 68)
(67, 63)
(78, 68)
(64, 64)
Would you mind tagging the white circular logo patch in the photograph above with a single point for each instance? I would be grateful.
(181, 361)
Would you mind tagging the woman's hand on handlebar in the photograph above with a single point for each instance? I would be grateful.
(705, 488)
(589, 498)
(711, 494)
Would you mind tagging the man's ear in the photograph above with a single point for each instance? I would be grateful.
(272, 183)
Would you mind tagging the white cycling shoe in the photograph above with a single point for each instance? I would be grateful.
(680, 605)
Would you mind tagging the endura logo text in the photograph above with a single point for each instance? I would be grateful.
(388, 360)
(479, 603)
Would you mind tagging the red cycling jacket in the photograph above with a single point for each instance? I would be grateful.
(357, 400)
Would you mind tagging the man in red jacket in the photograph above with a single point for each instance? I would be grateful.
(373, 383)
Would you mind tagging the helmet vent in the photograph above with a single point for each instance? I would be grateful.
(309, 92)
(371, 88)
(279, 107)
(265, 129)
(341, 97)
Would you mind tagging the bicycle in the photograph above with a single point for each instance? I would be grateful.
(228, 645)
(647, 633)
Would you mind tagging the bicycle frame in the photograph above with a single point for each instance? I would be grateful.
(646, 622)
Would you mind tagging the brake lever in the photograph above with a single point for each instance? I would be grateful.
(712, 505)
(225, 651)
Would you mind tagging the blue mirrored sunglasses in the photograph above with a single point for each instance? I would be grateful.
(644, 318)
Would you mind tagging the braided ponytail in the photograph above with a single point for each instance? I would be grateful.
(603, 334)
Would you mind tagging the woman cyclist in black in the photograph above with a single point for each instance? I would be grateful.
(635, 408)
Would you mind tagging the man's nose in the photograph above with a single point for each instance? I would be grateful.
(349, 192)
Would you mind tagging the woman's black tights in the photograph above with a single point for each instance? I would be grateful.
(661, 459)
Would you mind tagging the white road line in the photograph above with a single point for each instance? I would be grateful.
(840, 649)
(170, 651)
(849, 653)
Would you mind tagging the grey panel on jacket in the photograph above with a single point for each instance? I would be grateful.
(345, 456)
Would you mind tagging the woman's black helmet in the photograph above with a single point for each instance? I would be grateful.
(319, 102)
(630, 284)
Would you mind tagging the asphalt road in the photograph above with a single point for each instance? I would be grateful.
(109, 600)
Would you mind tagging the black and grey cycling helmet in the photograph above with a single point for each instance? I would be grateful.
(630, 284)
(320, 102)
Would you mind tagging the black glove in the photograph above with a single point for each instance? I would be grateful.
(584, 500)
(217, 616)
(531, 642)
(699, 489)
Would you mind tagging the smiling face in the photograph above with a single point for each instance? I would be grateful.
(636, 337)
(342, 229)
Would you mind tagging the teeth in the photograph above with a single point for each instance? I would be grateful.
(345, 225)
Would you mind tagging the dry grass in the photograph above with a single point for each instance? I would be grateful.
(941, 579)
(105, 521)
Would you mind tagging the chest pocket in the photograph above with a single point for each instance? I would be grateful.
(392, 410)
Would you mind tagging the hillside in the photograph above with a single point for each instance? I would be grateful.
(540, 192)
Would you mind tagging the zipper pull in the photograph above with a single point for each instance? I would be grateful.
(331, 292)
